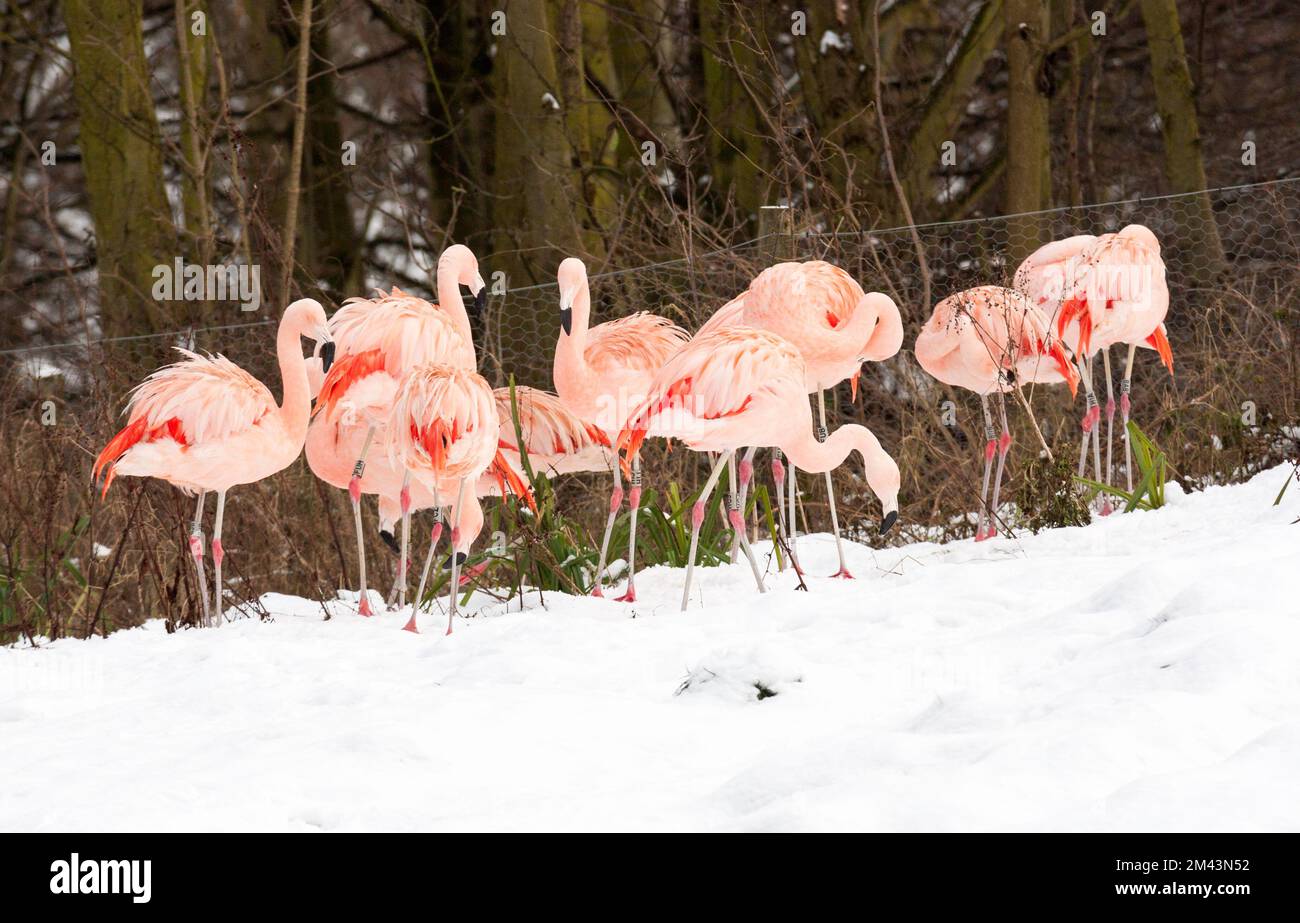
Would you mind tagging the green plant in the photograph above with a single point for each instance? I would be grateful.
(1048, 498)
(1152, 470)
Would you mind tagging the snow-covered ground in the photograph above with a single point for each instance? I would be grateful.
(1142, 673)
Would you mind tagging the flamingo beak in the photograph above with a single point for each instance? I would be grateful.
(480, 294)
(326, 355)
(390, 540)
(888, 522)
(566, 312)
(460, 558)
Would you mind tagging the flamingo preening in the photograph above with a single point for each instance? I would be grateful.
(204, 424)
(445, 429)
(741, 386)
(990, 340)
(824, 313)
(1102, 291)
(378, 341)
(600, 373)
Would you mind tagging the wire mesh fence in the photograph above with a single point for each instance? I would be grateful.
(1249, 230)
(1233, 258)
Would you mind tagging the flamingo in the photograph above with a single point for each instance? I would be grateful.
(1103, 291)
(445, 430)
(600, 372)
(989, 340)
(836, 326)
(380, 339)
(204, 424)
(742, 386)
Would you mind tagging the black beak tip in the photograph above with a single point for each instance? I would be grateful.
(888, 524)
(390, 540)
(480, 300)
(461, 557)
(326, 356)
(566, 320)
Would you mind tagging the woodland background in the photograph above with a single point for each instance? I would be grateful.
(339, 145)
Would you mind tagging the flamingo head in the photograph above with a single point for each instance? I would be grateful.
(572, 278)
(461, 262)
(308, 318)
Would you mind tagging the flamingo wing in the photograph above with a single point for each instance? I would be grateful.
(406, 330)
(200, 399)
(548, 427)
(640, 342)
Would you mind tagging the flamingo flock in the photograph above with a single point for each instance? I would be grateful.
(390, 402)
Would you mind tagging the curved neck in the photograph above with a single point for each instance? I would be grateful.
(807, 454)
(296, 403)
(449, 298)
(573, 345)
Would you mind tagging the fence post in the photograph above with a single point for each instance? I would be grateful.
(776, 233)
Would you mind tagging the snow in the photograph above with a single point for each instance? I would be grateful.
(1140, 673)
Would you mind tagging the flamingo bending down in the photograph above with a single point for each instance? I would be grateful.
(445, 429)
(1101, 291)
(741, 386)
(204, 424)
(600, 374)
(989, 340)
(836, 326)
(380, 339)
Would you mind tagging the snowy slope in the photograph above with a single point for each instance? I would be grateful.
(1142, 673)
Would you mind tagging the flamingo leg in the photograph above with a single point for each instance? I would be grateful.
(830, 490)
(455, 556)
(746, 477)
(196, 552)
(736, 516)
(778, 478)
(1110, 427)
(1004, 447)
(615, 501)
(354, 492)
(217, 554)
(403, 558)
(724, 505)
(990, 447)
(634, 503)
(697, 520)
(434, 534)
(1095, 412)
(1125, 388)
(793, 520)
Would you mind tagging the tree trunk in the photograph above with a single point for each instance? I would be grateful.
(534, 198)
(1176, 105)
(122, 157)
(736, 149)
(1028, 175)
(942, 108)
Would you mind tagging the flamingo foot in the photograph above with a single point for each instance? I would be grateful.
(843, 574)
(595, 591)
(629, 596)
(410, 625)
(985, 536)
(364, 607)
(1106, 508)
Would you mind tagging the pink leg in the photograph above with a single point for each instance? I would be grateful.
(990, 448)
(634, 502)
(778, 478)
(218, 553)
(196, 552)
(1004, 445)
(615, 501)
(434, 534)
(697, 520)
(354, 492)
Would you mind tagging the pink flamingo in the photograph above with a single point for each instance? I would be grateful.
(1101, 291)
(600, 373)
(204, 424)
(835, 325)
(741, 386)
(445, 430)
(379, 339)
(989, 340)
